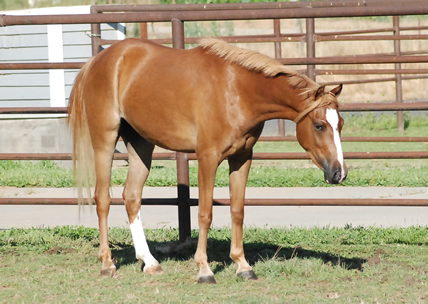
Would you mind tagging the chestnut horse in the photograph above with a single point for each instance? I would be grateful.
(212, 100)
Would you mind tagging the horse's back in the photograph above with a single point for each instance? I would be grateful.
(161, 92)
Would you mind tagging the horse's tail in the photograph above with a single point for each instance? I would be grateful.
(83, 153)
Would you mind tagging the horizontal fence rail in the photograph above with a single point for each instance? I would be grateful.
(291, 61)
(221, 202)
(177, 14)
(344, 107)
(256, 156)
(399, 8)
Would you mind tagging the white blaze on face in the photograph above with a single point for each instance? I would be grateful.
(333, 120)
(142, 251)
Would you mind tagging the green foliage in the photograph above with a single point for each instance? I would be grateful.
(384, 121)
(48, 174)
(34, 174)
(212, 29)
(266, 176)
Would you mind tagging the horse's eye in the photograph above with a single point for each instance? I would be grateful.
(319, 127)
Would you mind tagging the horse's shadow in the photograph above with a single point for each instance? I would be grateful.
(218, 251)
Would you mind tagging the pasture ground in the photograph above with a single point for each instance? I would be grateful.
(328, 265)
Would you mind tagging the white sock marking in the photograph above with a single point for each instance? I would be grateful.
(333, 120)
(142, 251)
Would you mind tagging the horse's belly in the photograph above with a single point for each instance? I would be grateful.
(168, 134)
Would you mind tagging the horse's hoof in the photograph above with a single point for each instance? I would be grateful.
(108, 272)
(157, 269)
(207, 280)
(248, 275)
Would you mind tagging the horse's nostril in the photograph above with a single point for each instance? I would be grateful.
(336, 177)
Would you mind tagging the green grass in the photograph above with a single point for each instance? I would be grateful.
(48, 174)
(368, 124)
(319, 265)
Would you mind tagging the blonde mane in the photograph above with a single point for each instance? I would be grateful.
(251, 60)
(325, 100)
(254, 61)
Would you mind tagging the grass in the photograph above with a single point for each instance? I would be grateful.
(385, 124)
(27, 174)
(319, 265)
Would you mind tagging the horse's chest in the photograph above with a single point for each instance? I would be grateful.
(241, 144)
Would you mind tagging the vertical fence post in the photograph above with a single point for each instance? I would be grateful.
(277, 33)
(398, 78)
(182, 161)
(310, 46)
(143, 30)
(95, 34)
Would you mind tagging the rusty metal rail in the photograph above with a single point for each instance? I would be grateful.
(371, 9)
(256, 156)
(353, 139)
(344, 107)
(178, 14)
(222, 202)
(287, 61)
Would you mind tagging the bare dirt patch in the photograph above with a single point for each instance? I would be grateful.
(60, 250)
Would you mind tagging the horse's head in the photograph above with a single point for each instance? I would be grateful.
(318, 132)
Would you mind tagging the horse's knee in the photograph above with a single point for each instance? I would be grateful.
(103, 204)
(237, 215)
(205, 219)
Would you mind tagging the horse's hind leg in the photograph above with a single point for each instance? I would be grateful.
(140, 157)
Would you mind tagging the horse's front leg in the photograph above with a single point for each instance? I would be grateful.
(206, 177)
(239, 167)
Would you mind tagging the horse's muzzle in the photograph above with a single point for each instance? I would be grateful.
(334, 176)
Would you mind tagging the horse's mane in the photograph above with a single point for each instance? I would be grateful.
(251, 60)
(325, 100)
(254, 61)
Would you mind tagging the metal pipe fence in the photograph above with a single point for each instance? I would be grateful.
(178, 14)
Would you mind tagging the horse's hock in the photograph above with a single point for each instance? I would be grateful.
(50, 135)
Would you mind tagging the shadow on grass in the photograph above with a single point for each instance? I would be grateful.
(218, 251)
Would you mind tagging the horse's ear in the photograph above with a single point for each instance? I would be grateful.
(319, 91)
(337, 90)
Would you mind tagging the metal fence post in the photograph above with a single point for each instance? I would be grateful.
(277, 33)
(95, 34)
(143, 30)
(398, 78)
(183, 190)
(310, 46)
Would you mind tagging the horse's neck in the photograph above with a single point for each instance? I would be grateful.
(276, 98)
